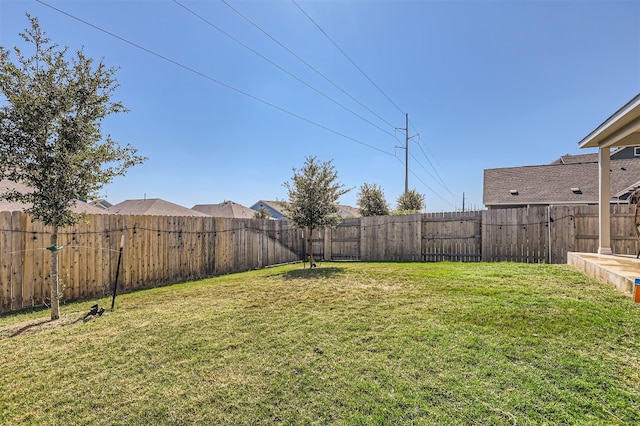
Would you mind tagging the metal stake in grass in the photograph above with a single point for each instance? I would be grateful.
(115, 285)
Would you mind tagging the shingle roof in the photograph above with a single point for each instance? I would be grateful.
(580, 158)
(12, 206)
(154, 207)
(620, 153)
(552, 184)
(225, 209)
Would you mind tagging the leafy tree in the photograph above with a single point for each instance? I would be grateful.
(262, 213)
(313, 194)
(50, 136)
(410, 202)
(371, 201)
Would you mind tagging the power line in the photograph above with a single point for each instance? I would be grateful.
(346, 56)
(441, 181)
(434, 192)
(280, 67)
(427, 156)
(432, 165)
(207, 77)
(425, 169)
(305, 62)
(406, 164)
(210, 78)
(427, 186)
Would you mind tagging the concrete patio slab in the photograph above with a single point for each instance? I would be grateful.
(619, 271)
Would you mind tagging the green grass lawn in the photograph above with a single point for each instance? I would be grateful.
(346, 343)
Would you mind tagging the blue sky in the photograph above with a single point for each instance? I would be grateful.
(486, 84)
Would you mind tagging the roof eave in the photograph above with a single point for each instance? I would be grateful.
(620, 129)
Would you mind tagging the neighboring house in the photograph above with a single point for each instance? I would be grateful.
(347, 212)
(153, 207)
(575, 159)
(12, 206)
(225, 209)
(625, 153)
(277, 211)
(102, 203)
(572, 179)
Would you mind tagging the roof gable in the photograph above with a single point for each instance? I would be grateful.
(275, 208)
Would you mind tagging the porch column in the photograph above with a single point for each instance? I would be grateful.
(604, 163)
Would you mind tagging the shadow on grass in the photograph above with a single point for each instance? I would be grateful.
(313, 273)
(39, 325)
(34, 324)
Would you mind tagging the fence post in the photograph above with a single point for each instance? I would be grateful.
(115, 285)
(328, 235)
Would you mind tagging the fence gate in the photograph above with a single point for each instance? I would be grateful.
(455, 236)
(343, 242)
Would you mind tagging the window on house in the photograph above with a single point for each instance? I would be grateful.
(636, 151)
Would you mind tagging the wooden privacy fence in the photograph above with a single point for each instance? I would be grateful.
(160, 250)
(545, 234)
(419, 237)
(538, 234)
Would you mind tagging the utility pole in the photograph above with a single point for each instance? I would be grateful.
(406, 152)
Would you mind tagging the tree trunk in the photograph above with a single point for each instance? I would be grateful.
(55, 285)
(310, 247)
